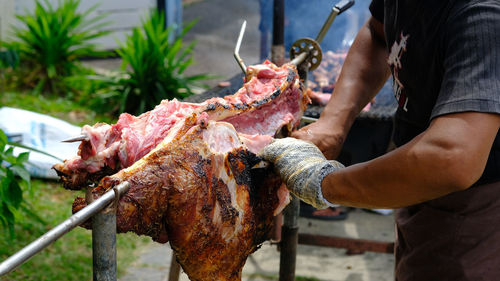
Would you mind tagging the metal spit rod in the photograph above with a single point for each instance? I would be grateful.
(75, 220)
(336, 10)
(77, 138)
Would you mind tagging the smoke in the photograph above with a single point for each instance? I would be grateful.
(304, 18)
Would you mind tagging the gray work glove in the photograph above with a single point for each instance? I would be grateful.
(302, 167)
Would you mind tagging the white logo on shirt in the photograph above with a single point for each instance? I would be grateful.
(394, 60)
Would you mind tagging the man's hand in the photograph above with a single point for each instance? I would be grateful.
(302, 167)
(322, 134)
(364, 72)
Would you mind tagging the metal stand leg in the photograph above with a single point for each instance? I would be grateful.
(277, 224)
(104, 245)
(278, 47)
(175, 269)
(104, 240)
(289, 239)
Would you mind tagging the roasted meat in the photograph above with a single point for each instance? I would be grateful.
(270, 95)
(198, 191)
(197, 187)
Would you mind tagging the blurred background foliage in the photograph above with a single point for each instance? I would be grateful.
(152, 69)
(45, 59)
(11, 194)
(51, 42)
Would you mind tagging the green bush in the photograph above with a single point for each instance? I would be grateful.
(11, 194)
(152, 68)
(52, 42)
(9, 58)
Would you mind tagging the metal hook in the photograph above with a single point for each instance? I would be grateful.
(237, 48)
(114, 205)
(89, 197)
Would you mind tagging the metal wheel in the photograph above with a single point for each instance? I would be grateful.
(307, 45)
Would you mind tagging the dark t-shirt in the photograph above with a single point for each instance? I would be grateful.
(444, 59)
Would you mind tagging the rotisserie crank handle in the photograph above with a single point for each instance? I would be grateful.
(336, 10)
(344, 5)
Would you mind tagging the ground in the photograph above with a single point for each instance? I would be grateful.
(313, 263)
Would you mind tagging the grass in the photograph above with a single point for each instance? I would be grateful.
(59, 107)
(69, 258)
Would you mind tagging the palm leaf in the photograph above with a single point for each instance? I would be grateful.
(54, 39)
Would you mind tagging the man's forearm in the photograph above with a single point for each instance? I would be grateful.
(443, 159)
(364, 72)
(394, 180)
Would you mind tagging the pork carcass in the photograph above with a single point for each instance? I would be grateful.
(196, 188)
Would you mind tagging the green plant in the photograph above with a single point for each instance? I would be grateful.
(68, 258)
(152, 68)
(9, 58)
(11, 194)
(52, 42)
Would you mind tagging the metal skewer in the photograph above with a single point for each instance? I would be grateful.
(77, 138)
(237, 48)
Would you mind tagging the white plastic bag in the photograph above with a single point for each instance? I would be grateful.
(41, 132)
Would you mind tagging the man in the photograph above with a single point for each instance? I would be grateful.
(445, 174)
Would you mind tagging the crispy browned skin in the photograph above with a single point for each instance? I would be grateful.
(76, 179)
(199, 244)
(177, 189)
